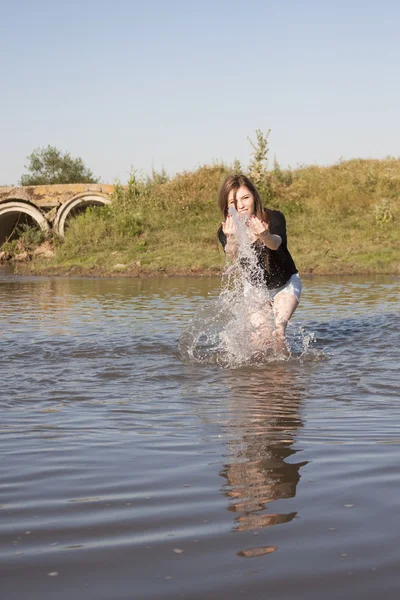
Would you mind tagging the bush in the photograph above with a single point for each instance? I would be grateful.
(27, 238)
(383, 212)
(49, 166)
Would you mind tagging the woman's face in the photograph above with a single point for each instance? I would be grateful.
(244, 201)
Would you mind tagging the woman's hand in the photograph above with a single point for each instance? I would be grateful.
(259, 230)
(229, 227)
(256, 226)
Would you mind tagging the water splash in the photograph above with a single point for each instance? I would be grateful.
(237, 328)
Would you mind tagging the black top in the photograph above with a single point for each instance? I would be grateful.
(277, 265)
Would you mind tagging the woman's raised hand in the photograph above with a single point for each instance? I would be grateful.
(229, 227)
(256, 226)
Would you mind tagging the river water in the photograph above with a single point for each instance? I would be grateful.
(129, 472)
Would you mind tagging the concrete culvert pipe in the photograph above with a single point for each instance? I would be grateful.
(15, 214)
(75, 206)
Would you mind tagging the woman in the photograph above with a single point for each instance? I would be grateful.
(266, 231)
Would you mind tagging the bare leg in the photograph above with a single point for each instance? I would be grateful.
(262, 330)
(284, 306)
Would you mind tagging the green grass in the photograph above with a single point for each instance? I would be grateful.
(340, 219)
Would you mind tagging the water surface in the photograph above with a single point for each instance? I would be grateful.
(128, 472)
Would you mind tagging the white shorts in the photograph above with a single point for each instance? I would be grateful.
(293, 286)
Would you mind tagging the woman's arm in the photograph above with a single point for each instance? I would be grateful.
(231, 247)
(271, 240)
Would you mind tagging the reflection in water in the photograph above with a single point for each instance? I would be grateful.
(264, 411)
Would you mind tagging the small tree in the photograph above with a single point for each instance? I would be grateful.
(157, 177)
(285, 177)
(258, 166)
(49, 165)
(237, 167)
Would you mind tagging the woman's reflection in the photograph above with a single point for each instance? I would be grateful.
(264, 419)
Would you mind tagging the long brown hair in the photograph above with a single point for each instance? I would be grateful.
(234, 182)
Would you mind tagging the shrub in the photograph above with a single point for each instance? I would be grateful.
(49, 166)
(383, 213)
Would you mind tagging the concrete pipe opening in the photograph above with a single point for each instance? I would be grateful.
(74, 207)
(15, 216)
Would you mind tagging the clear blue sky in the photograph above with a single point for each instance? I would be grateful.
(178, 84)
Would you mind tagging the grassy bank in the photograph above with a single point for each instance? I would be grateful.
(341, 219)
